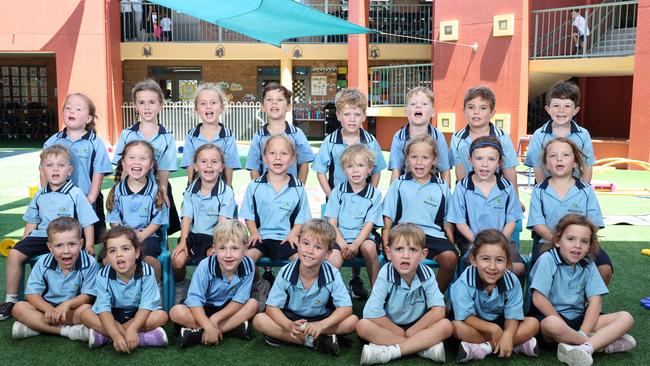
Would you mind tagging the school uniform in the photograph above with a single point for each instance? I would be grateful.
(88, 156)
(137, 210)
(275, 213)
(318, 302)
(353, 210)
(164, 146)
(256, 150)
(425, 205)
(47, 205)
(567, 287)
(404, 305)
(402, 136)
(213, 291)
(469, 298)
(122, 299)
(205, 213)
(547, 208)
(328, 159)
(461, 142)
(55, 287)
(224, 139)
(544, 135)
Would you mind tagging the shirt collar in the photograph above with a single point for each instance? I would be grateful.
(325, 275)
(407, 133)
(216, 269)
(89, 135)
(362, 193)
(471, 186)
(500, 285)
(408, 176)
(80, 263)
(112, 274)
(65, 188)
(559, 260)
(493, 131)
(218, 188)
(287, 129)
(396, 278)
(264, 178)
(197, 130)
(339, 136)
(136, 128)
(579, 183)
(145, 190)
(548, 127)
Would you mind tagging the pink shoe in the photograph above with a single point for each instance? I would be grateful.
(473, 351)
(528, 348)
(624, 344)
(153, 338)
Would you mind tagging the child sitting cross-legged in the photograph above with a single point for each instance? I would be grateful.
(308, 303)
(405, 313)
(219, 300)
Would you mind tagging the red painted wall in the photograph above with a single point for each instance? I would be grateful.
(600, 114)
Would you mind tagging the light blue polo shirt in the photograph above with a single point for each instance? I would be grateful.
(47, 279)
(401, 137)
(88, 157)
(137, 209)
(401, 303)
(163, 143)
(425, 205)
(288, 291)
(544, 135)
(210, 287)
(67, 201)
(275, 213)
(328, 159)
(567, 287)
(140, 292)
(461, 142)
(353, 210)
(206, 211)
(226, 141)
(470, 206)
(469, 297)
(547, 208)
(303, 150)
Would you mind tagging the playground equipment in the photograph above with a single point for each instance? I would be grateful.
(603, 165)
(5, 246)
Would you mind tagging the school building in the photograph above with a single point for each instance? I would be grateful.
(519, 48)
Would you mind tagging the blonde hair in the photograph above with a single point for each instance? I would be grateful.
(150, 85)
(422, 139)
(230, 231)
(320, 230)
(350, 97)
(420, 89)
(56, 150)
(285, 138)
(352, 151)
(92, 110)
(578, 155)
(409, 232)
(63, 224)
(210, 87)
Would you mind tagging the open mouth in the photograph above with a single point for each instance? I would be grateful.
(67, 261)
(209, 114)
(418, 114)
(404, 265)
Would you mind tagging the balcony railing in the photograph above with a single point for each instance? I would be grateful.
(612, 31)
(389, 84)
(413, 20)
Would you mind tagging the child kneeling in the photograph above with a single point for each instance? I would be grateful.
(218, 300)
(405, 313)
(308, 303)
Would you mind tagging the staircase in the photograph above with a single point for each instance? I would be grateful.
(617, 42)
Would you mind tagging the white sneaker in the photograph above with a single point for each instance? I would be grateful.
(261, 292)
(528, 348)
(374, 353)
(473, 351)
(79, 332)
(624, 344)
(436, 353)
(574, 355)
(21, 331)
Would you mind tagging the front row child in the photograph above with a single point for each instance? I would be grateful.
(488, 303)
(127, 310)
(59, 198)
(59, 286)
(567, 294)
(405, 313)
(308, 303)
(218, 301)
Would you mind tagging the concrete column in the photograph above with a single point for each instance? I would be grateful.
(358, 46)
(286, 78)
(639, 149)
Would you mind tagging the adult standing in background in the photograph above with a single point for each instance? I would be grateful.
(127, 20)
(136, 5)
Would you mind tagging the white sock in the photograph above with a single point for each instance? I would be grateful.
(486, 346)
(65, 330)
(395, 351)
(11, 298)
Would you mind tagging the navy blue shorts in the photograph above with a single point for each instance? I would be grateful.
(293, 316)
(574, 324)
(210, 310)
(32, 246)
(198, 245)
(151, 246)
(437, 246)
(335, 246)
(123, 315)
(274, 250)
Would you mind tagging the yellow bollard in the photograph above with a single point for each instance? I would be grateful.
(645, 252)
(32, 191)
(5, 246)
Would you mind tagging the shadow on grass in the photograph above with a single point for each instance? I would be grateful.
(15, 204)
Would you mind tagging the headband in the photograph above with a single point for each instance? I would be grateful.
(483, 144)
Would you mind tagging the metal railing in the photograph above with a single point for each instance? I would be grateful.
(140, 21)
(244, 119)
(389, 84)
(611, 31)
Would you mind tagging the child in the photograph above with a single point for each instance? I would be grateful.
(580, 31)
(419, 110)
(488, 304)
(562, 104)
(308, 304)
(419, 197)
(276, 102)
(149, 101)
(567, 296)
(351, 107)
(219, 298)
(127, 310)
(354, 209)
(59, 288)
(209, 104)
(561, 194)
(137, 201)
(485, 200)
(478, 107)
(405, 313)
(207, 201)
(166, 27)
(90, 160)
(58, 198)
